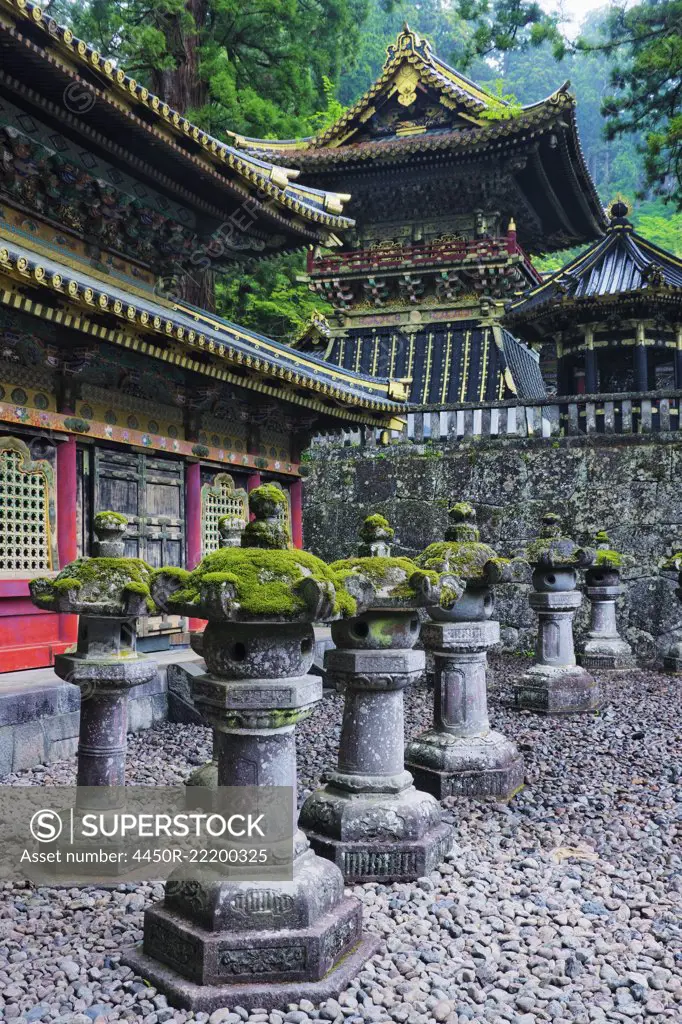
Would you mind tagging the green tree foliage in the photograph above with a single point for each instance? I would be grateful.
(500, 26)
(644, 44)
(268, 297)
(256, 68)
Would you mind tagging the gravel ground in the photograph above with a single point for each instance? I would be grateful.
(564, 906)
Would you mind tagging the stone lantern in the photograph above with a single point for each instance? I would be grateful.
(108, 592)
(230, 529)
(604, 649)
(672, 662)
(217, 941)
(460, 755)
(369, 818)
(555, 684)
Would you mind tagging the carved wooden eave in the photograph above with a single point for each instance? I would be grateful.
(470, 126)
(86, 302)
(41, 59)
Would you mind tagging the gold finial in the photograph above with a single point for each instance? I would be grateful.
(619, 208)
(512, 224)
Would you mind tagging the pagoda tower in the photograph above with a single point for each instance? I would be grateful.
(611, 317)
(451, 189)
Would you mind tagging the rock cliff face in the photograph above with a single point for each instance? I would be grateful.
(627, 486)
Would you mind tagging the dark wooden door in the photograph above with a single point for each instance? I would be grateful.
(150, 492)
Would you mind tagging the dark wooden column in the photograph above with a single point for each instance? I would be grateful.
(640, 361)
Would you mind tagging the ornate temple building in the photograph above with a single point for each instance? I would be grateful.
(612, 317)
(112, 395)
(452, 190)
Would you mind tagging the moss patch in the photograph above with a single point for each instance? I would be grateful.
(109, 520)
(375, 524)
(463, 559)
(264, 581)
(608, 559)
(381, 572)
(266, 493)
(64, 583)
(102, 579)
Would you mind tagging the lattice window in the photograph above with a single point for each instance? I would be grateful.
(286, 516)
(25, 495)
(220, 499)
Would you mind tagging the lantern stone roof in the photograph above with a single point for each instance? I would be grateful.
(421, 109)
(32, 279)
(621, 268)
(40, 59)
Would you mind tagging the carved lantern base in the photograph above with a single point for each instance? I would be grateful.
(555, 684)
(461, 755)
(604, 649)
(255, 944)
(369, 818)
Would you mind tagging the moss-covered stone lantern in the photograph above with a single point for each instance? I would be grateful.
(555, 683)
(253, 943)
(603, 648)
(109, 593)
(369, 818)
(461, 755)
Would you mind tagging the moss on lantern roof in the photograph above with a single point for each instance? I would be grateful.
(108, 519)
(608, 559)
(398, 578)
(374, 526)
(465, 559)
(558, 551)
(98, 581)
(265, 493)
(264, 581)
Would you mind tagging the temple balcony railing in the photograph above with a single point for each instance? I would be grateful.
(627, 414)
(417, 255)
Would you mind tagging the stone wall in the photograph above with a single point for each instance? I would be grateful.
(629, 486)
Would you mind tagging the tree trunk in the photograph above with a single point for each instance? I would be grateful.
(183, 88)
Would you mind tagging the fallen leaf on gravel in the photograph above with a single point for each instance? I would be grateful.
(560, 853)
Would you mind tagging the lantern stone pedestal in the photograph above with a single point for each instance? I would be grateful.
(108, 592)
(555, 684)
(604, 649)
(369, 818)
(217, 941)
(460, 755)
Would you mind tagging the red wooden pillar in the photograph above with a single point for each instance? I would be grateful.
(296, 505)
(67, 524)
(252, 482)
(193, 525)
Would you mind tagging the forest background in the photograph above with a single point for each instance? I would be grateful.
(287, 68)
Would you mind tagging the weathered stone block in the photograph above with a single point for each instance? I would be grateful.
(6, 750)
(29, 746)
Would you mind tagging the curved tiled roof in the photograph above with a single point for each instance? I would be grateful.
(198, 333)
(555, 181)
(62, 50)
(621, 263)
